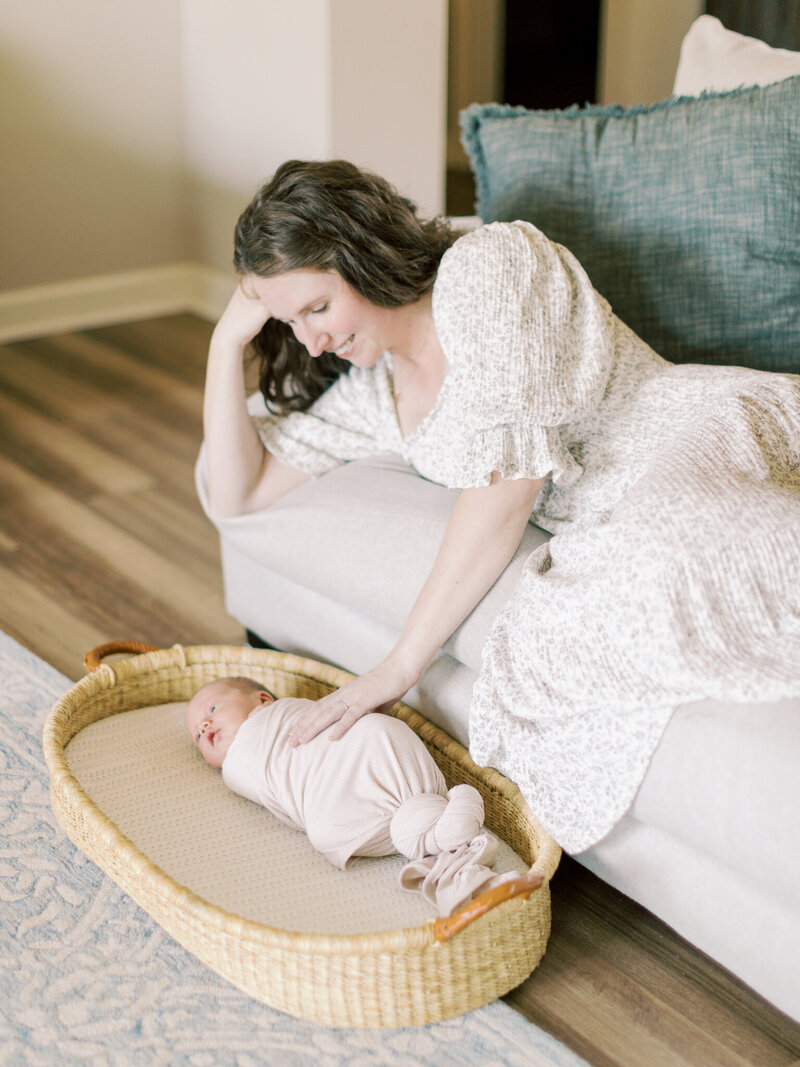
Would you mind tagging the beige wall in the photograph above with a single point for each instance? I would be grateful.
(475, 68)
(389, 90)
(639, 48)
(267, 80)
(90, 138)
(255, 82)
(132, 134)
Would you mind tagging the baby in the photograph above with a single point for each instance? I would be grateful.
(376, 792)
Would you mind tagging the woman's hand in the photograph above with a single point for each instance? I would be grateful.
(242, 319)
(377, 690)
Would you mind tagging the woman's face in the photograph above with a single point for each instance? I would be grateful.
(325, 314)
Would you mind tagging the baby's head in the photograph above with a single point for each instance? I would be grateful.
(216, 712)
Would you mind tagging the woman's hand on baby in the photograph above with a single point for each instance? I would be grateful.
(243, 318)
(377, 690)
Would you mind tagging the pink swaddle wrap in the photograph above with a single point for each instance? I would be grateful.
(375, 792)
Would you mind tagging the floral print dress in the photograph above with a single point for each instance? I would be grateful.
(673, 492)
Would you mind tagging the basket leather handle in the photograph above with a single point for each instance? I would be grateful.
(445, 928)
(95, 656)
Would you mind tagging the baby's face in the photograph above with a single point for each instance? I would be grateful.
(215, 714)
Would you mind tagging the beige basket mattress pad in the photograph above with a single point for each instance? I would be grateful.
(141, 769)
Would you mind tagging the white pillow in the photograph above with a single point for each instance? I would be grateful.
(713, 58)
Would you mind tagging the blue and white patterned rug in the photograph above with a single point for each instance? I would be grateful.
(87, 977)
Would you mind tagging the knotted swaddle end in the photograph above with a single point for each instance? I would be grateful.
(427, 824)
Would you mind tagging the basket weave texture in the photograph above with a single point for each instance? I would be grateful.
(396, 978)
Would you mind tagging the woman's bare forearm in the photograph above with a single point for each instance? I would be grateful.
(482, 536)
(242, 475)
(234, 451)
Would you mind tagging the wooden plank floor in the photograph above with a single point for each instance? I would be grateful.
(102, 537)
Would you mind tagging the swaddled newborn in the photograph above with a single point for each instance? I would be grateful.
(376, 792)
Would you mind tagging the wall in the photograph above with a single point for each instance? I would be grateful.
(132, 133)
(640, 43)
(267, 80)
(475, 67)
(389, 91)
(138, 131)
(255, 91)
(90, 139)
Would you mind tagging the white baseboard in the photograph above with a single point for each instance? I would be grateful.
(111, 298)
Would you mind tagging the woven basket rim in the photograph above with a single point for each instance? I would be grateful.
(154, 881)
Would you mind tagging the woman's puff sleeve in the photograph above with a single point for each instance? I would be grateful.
(530, 346)
(338, 427)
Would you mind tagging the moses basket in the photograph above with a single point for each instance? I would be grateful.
(409, 976)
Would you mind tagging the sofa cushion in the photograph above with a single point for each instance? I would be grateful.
(685, 214)
(724, 781)
(713, 57)
(365, 536)
(716, 906)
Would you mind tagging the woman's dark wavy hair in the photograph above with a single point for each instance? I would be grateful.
(331, 216)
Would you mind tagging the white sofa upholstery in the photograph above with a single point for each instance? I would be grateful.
(710, 844)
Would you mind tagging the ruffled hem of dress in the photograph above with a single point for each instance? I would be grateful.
(578, 808)
(516, 451)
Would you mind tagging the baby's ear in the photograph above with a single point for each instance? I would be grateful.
(266, 697)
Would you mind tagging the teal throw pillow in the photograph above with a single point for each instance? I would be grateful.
(685, 214)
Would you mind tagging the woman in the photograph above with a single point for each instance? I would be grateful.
(493, 367)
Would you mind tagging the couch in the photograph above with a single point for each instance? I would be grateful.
(687, 217)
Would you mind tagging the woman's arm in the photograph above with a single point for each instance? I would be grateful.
(242, 475)
(483, 533)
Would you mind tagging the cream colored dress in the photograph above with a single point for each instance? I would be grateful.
(674, 492)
